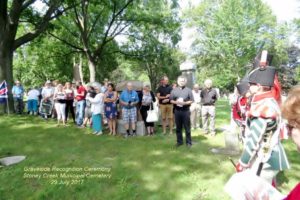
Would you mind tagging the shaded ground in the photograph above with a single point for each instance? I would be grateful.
(141, 167)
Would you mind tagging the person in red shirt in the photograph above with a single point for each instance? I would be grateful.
(241, 106)
(80, 103)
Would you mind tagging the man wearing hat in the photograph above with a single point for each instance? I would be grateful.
(263, 152)
(47, 96)
(240, 107)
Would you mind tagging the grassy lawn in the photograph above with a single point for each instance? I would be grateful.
(140, 167)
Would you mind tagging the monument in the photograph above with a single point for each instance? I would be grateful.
(188, 69)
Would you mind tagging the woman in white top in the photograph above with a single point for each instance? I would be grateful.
(32, 101)
(97, 108)
(60, 104)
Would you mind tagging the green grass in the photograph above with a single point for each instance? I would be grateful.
(141, 167)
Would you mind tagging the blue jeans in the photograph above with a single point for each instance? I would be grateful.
(32, 105)
(80, 106)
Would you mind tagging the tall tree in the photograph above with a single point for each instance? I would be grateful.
(153, 39)
(231, 32)
(44, 59)
(92, 26)
(14, 13)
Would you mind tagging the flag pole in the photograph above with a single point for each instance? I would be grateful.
(7, 105)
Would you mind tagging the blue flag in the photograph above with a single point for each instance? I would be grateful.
(3, 92)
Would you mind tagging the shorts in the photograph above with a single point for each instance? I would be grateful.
(166, 111)
(129, 115)
(87, 112)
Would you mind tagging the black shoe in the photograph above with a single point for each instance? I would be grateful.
(178, 145)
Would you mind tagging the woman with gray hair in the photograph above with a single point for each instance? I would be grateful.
(97, 108)
(147, 98)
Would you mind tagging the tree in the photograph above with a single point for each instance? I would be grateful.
(231, 33)
(13, 14)
(91, 27)
(153, 39)
(44, 59)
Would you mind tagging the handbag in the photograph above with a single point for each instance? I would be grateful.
(152, 115)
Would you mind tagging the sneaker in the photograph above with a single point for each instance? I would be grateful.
(99, 133)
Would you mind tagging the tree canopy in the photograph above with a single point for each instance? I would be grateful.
(230, 34)
(126, 39)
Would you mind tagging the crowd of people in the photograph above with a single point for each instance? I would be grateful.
(93, 104)
(257, 111)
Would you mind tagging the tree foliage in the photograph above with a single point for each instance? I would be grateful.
(21, 13)
(231, 34)
(44, 59)
(153, 39)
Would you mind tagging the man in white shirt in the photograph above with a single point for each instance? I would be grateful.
(47, 98)
(196, 107)
(47, 92)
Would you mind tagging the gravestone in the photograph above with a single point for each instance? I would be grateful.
(7, 161)
(232, 144)
(140, 128)
(188, 70)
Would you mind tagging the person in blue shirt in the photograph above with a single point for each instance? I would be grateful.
(18, 93)
(129, 99)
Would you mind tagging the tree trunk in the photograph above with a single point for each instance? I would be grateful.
(6, 73)
(80, 69)
(92, 69)
(77, 70)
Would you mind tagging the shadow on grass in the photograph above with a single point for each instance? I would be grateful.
(142, 167)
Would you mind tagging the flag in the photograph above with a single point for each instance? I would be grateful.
(3, 92)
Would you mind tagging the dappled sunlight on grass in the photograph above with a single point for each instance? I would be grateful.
(141, 167)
